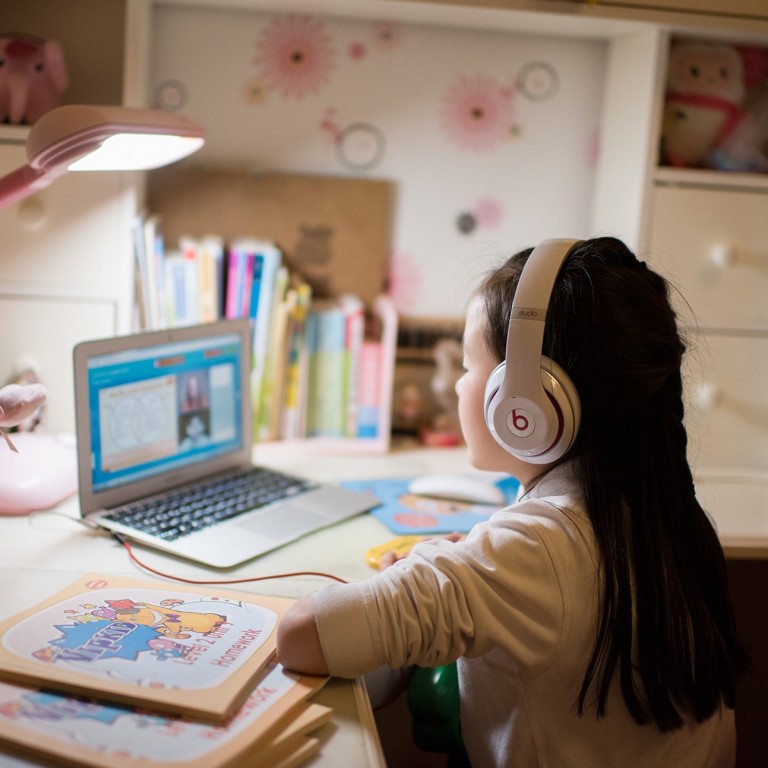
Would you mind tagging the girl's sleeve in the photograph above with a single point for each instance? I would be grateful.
(498, 588)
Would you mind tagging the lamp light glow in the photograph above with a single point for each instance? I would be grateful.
(91, 138)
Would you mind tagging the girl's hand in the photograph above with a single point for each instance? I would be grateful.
(394, 555)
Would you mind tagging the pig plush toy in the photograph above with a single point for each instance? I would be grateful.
(33, 77)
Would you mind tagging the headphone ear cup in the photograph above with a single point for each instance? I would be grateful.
(564, 398)
(563, 395)
(492, 387)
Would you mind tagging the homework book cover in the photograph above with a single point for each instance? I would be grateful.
(190, 651)
(406, 513)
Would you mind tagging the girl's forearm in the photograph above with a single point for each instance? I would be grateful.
(298, 642)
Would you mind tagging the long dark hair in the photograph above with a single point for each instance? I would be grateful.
(665, 623)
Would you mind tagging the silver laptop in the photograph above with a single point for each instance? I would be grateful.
(164, 425)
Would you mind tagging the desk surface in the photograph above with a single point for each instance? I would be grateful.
(45, 549)
(43, 552)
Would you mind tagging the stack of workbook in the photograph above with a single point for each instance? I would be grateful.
(113, 672)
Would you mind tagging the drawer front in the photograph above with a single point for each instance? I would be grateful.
(713, 244)
(727, 404)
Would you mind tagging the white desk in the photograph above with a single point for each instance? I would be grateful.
(46, 549)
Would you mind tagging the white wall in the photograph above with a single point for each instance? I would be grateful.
(532, 176)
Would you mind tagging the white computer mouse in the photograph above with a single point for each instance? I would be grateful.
(459, 487)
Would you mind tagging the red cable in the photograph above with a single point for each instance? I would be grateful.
(157, 572)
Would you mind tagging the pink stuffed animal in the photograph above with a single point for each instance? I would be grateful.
(707, 86)
(33, 77)
(17, 403)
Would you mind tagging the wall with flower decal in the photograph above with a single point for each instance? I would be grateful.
(489, 137)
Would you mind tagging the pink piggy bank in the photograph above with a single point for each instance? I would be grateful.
(33, 77)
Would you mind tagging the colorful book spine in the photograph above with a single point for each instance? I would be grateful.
(274, 361)
(354, 330)
(271, 261)
(292, 418)
(235, 271)
(328, 398)
(369, 389)
(210, 252)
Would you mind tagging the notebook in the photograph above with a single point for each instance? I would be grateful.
(164, 425)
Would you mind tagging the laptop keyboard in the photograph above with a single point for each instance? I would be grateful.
(178, 513)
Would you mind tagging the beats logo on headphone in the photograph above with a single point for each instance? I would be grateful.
(531, 406)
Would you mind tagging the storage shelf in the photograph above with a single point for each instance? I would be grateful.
(13, 134)
(692, 177)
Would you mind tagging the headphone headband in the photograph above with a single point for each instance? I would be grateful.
(525, 335)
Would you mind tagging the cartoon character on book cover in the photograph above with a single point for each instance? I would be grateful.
(150, 637)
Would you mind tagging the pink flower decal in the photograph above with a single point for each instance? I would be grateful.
(295, 56)
(489, 212)
(477, 113)
(357, 51)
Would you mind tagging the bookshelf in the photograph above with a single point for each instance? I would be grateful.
(305, 258)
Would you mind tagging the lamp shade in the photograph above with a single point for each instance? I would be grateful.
(89, 138)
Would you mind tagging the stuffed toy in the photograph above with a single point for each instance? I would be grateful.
(18, 402)
(707, 90)
(41, 470)
(33, 77)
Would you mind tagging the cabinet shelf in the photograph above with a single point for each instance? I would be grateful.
(13, 134)
(691, 177)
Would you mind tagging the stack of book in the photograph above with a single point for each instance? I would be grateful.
(115, 672)
(322, 368)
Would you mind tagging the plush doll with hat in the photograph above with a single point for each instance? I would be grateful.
(708, 89)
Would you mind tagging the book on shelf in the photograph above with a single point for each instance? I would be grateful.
(322, 369)
(179, 649)
(266, 282)
(343, 376)
(269, 393)
(292, 421)
(210, 260)
(326, 404)
(148, 248)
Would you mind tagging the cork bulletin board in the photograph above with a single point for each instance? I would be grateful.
(333, 231)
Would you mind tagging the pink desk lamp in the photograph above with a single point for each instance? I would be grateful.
(41, 472)
(79, 137)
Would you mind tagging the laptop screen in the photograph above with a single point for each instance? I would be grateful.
(165, 407)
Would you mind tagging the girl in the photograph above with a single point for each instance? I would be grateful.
(590, 620)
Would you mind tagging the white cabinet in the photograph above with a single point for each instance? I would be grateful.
(708, 232)
(714, 244)
(66, 252)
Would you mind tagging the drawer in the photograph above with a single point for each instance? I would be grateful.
(727, 408)
(713, 244)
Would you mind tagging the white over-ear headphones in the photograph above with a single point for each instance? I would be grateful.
(531, 406)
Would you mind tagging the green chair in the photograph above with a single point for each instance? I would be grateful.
(433, 701)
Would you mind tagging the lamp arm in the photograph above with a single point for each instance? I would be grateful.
(23, 182)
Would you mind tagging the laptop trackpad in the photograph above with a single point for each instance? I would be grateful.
(287, 522)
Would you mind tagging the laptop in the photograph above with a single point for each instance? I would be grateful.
(164, 429)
